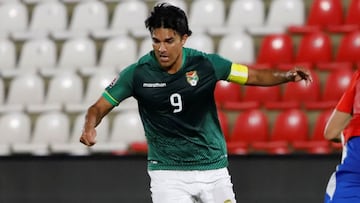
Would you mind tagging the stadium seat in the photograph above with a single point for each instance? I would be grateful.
(73, 145)
(314, 48)
(94, 87)
(349, 48)
(121, 45)
(351, 21)
(86, 17)
(145, 46)
(244, 14)
(15, 127)
(102, 130)
(281, 15)
(237, 47)
(24, 90)
(126, 129)
(135, 10)
(50, 127)
(2, 92)
(275, 49)
(297, 94)
(346, 54)
(64, 88)
(37, 54)
(322, 14)
(250, 126)
(201, 42)
(316, 143)
(89, 16)
(335, 85)
(13, 18)
(77, 53)
(319, 126)
(353, 13)
(205, 14)
(258, 93)
(290, 125)
(7, 54)
(47, 17)
(227, 92)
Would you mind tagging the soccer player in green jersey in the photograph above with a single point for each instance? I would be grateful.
(174, 87)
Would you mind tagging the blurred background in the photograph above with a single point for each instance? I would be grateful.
(57, 56)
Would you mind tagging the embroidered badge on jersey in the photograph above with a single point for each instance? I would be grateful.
(192, 78)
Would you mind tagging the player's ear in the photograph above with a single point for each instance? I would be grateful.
(184, 38)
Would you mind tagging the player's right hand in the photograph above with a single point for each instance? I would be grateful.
(88, 137)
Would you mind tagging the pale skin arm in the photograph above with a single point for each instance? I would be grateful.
(269, 77)
(335, 125)
(93, 117)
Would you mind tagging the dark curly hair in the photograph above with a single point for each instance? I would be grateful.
(165, 15)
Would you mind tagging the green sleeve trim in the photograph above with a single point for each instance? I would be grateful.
(110, 99)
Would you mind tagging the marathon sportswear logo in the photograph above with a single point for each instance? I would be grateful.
(113, 81)
(192, 78)
(157, 84)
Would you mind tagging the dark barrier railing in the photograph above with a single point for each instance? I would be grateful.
(108, 179)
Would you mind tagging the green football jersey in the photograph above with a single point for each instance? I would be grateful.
(178, 110)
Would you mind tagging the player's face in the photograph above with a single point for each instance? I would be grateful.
(167, 45)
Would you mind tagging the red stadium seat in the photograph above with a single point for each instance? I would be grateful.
(316, 144)
(353, 14)
(296, 94)
(322, 14)
(335, 85)
(352, 19)
(314, 48)
(250, 126)
(139, 147)
(318, 132)
(290, 125)
(347, 55)
(258, 93)
(226, 92)
(349, 48)
(275, 49)
(229, 96)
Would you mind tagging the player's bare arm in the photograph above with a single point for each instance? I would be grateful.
(336, 123)
(268, 77)
(93, 117)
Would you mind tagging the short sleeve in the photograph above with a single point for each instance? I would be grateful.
(121, 87)
(221, 65)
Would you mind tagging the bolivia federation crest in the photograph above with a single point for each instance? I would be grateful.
(192, 78)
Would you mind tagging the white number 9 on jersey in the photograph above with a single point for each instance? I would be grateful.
(175, 100)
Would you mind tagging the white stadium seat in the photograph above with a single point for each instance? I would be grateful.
(237, 47)
(15, 127)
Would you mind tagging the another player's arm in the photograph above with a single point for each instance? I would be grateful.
(266, 77)
(93, 117)
(335, 125)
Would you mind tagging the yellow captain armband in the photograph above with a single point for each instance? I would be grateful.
(238, 73)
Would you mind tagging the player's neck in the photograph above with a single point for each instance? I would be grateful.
(176, 66)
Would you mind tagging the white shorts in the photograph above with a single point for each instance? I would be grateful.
(209, 186)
